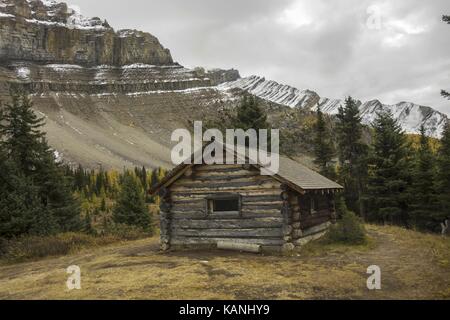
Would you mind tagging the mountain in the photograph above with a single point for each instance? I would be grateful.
(410, 116)
(51, 32)
(113, 98)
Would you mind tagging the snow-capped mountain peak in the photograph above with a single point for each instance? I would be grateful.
(409, 115)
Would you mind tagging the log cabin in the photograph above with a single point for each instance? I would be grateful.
(234, 206)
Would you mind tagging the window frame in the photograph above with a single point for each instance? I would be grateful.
(229, 196)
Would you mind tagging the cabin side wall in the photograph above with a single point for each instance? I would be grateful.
(309, 223)
(189, 224)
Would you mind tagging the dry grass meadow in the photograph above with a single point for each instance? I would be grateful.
(413, 265)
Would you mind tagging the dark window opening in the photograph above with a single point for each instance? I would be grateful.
(224, 205)
(314, 205)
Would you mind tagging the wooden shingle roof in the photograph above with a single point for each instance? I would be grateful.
(304, 177)
(295, 174)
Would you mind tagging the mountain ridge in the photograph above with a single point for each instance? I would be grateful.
(410, 115)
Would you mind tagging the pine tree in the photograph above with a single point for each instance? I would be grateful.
(130, 207)
(443, 176)
(352, 154)
(388, 178)
(323, 147)
(249, 115)
(22, 138)
(422, 196)
(20, 205)
(25, 145)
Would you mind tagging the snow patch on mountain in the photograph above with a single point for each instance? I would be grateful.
(273, 91)
(409, 115)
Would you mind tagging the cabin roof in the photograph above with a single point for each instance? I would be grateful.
(304, 177)
(296, 175)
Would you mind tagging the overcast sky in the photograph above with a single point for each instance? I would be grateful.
(391, 50)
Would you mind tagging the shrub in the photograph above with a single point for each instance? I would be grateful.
(348, 230)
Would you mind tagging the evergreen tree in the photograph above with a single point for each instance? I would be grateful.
(249, 115)
(443, 176)
(323, 147)
(79, 178)
(130, 207)
(423, 200)
(22, 138)
(388, 177)
(25, 146)
(352, 154)
(20, 206)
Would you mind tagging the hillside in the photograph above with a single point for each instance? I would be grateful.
(413, 266)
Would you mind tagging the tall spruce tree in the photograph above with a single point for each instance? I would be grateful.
(323, 147)
(21, 210)
(25, 146)
(422, 193)
(352, 154)
(249, 115)
(443, 176)
(388, 175)
(130, 207)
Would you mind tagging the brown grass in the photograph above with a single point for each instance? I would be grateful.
(413, 265)
(34, 247)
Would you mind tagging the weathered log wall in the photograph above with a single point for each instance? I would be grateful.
(259, 222)
(304, 219)
(271, 214)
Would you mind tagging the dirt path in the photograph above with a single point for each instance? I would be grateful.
(413, 266)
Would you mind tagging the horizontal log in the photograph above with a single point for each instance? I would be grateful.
(261, 198)
(262, 206)
(228, 233)
(187, 208)
(227, 223)
(316, 229)
(305, 240)
(213, 240)
(226, 173)
(215, 179)
(261, 213)
(188, 195)
(218, 167)
(235, 187)
(237, 246)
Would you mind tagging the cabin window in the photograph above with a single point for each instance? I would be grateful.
(314, 205)
(311, 204)
(224, 205)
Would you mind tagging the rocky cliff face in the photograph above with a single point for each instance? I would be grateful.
(409, 115)
(109, 98)
(51, 32)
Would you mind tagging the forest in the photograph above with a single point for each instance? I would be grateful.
(40, 196)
